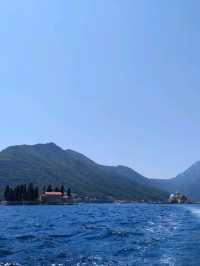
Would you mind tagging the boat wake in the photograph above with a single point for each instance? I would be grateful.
(194, 210)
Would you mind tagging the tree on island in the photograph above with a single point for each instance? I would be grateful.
(49, 188)
(6, 193)
(21, 193)
(36, 193)
(69, 192)
(30, 192)
(57, 189)
(62, 189)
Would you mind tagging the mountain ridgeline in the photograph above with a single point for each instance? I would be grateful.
(187, 182)
(43, 164)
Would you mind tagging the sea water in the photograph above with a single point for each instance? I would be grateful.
(100, 234)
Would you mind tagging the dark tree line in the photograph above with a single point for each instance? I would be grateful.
(21, 193)
(30, 192)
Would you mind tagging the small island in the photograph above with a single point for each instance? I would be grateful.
(30, 194)
(178, 198)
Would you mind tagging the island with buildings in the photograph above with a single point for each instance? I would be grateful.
(178, 198)
(30, 194)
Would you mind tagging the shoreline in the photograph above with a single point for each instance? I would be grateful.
(81, 203)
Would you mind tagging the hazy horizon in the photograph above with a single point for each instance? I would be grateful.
(116, 81)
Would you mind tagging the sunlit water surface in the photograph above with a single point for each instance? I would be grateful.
(100, 234)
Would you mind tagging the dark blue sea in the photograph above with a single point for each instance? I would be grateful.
(100, 234)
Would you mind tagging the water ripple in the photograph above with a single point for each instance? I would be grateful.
(101, 235)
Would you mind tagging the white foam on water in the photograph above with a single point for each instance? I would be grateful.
(150, 229)
(195, 210)
(168, 260)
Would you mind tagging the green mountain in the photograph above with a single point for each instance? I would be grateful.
(44, 164)
(187, 182)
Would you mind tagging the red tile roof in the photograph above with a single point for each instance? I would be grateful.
(53, 193)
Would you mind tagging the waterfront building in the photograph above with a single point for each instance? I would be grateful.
(52, 197)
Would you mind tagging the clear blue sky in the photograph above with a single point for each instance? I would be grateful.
(116, 80)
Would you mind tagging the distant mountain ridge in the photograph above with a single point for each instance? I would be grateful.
(48, 163)
(43, 164)
(187, 182)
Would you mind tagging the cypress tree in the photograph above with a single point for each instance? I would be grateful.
(17, 193)
(21, 191)
(69, 192)
(25, 193)
(11, 195)
(49, 188)
(7, 193)
(36, 193)
(56, 189)
(62, 189)
(30, 192)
